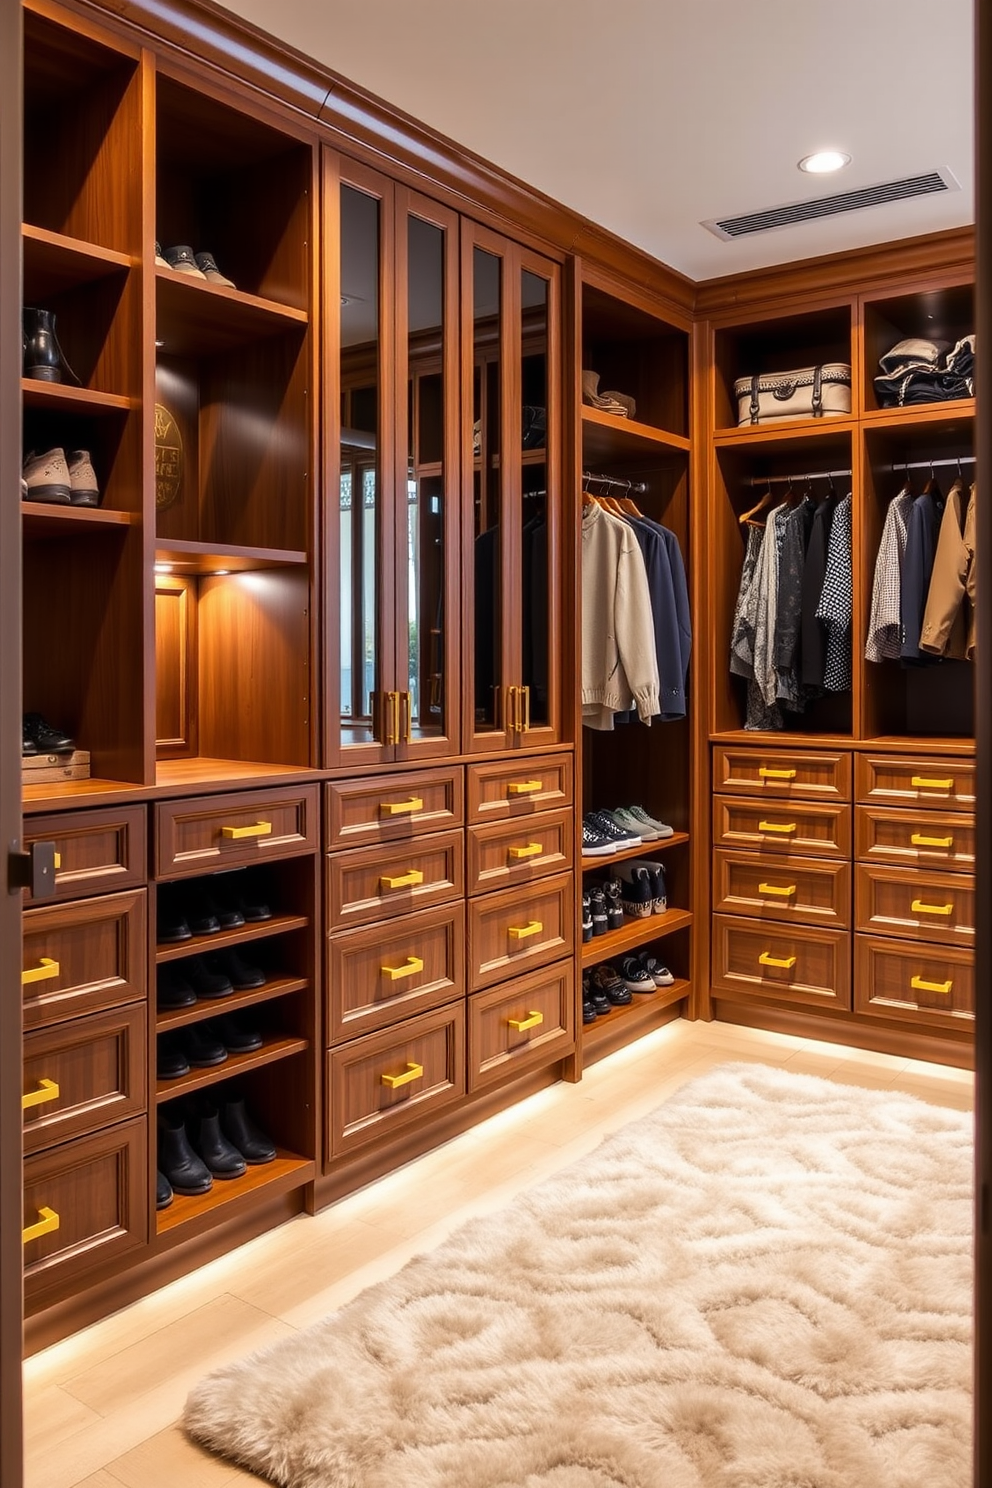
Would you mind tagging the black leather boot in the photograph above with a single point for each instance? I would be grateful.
(221, 1156)
(43, 358)
(163, 1191)
(253, 1145)
(178, 1162)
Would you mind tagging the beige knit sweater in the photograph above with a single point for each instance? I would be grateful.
(619, 664)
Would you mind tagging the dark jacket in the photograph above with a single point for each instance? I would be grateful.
(917, 566)
(670, 608)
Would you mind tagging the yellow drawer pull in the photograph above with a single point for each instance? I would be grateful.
(260, 829)
(942, 909)
(42, 973)
(767, 773)
(47, 1090)
(785, 891)
(920, 984)
(47, 1222)
(412, 1072)
(924, 783)
(532, 1020)
(522, 932)
(919, 840)
(767, 959)
(776, 826)
(530, 851)
(58, 860)
(401, 808)
(403, 881)
(523, 787)
(412, 965)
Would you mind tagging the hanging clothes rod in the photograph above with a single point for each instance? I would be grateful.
(797, 480)
(638, 487)
(932, 464)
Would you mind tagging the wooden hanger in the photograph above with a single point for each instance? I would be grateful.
(748, 517)
(626, 505)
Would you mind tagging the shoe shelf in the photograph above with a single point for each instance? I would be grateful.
(60, 397)
(54, 262)
(643, 1010)
(196, 945)
(647, 849)
(232, 1066)
(197, 318)
(198, 1012)
(632, 934)
(41, 519)
(606, 438)
(285, 1173)
(185, 557)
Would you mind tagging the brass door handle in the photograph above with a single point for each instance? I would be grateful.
(525, 720)
(392, 700)
(405, 719)
(530, 851)
(922, 782)
(919, 984)
(918, 839)
(412, 1072)
(403, 881)
(785, 962)
(938, 909)
(523, 932)
(48, 1090)
(46, 1223)
(523, 787)
(43, 972)
(411, 966)
(784, 890)
(767, 773)
(237, 834)
(521, 1025)
(785, 827)
(401, 808)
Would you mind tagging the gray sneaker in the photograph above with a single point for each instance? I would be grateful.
(182, 261)
(661, 829)
(625, 818)
(46, 478)
(83, 489)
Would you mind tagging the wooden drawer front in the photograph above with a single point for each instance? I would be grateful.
(503, 853)
(814, 964)
(771, 773)
(527, 1022)
(921, 983)
(946, 841)
(782, 888)
(388, 806)
(207, 834)
(82, 1075)
(374, 976)
(543, 911)
(99, 851)
(91, 955)
(374, 883)
(782, 826)
(933, 784)
(427, 1054)
(920, 905)
(98, 1188)
(519, 787)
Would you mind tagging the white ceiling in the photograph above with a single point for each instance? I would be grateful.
(652, 116)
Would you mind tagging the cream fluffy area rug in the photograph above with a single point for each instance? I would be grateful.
(766, 1283)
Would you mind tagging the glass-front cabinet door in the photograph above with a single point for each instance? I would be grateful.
(511, 463)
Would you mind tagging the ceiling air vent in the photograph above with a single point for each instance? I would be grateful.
(815, 207)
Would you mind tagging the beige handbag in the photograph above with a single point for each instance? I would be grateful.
(812, 392)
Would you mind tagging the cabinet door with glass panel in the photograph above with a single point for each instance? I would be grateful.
(511, 500)
(393, 473)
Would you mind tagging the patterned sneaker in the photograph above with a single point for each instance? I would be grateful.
(662, 829)
(594, 843)
(46, 478)
(637, 894)
(182, 261)
(660, 975)
(613, 895)
(586, 918)
(83, 488)
(635, 976)
(603, 823)
(597, 905)
(605, 979)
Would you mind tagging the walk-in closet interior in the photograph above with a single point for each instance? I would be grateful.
(451, 647)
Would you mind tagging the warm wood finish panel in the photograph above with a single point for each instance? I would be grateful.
(782, 826)
(190, 835)
(900, 837)
(782, 773)
(529, 1021)
(800, 966)
(391, 806)
(99, 1065)
(931, 784)
(98, 1187)
(99, 850)
(515, 929)
(374, 978)
(91, 955)
(503, 853)
(175, 666)
(519, 787)
(372, 883)
(801, 889)
(381, 1083)
(923, 984)
(916, 903)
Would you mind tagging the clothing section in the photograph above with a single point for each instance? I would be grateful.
(917, 371)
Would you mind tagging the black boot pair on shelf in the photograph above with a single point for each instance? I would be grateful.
(41, 355)
(181, 984)
(224, 901)
(203, 1045)
(201, 1139)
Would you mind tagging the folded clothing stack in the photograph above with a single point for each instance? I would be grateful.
(621, 405)
(918, 371)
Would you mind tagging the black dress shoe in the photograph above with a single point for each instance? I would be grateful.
(171, 922)
(220, 1155)
(254, 1146)
(199, 912)
(47, 740)
(202, 1048)
(205, 980)
(244, 897)
(212, 906)
(172, 989)
(178, 1163)
(163, 1191)
(243, 975)
(236, 1038)
(170, 1058)
(28, 746)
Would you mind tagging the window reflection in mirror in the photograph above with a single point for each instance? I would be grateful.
(535, 557)
(486, 410)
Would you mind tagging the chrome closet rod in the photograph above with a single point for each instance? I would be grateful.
(781, 480)
(932, 464)
(638, 487)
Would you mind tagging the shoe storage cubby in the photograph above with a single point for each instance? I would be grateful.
(942, 313)
(632, 351)
(783, 342)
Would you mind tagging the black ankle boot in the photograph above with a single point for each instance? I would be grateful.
(221, 1156)
(178, 1162)
(43, 358)
(253, 1145)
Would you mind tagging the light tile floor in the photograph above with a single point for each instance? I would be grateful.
(102, 1407)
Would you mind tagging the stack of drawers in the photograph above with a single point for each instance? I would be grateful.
(914, 889)
(87, 1199)
(782, 876)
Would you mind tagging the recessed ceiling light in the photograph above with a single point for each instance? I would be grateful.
(824, 161)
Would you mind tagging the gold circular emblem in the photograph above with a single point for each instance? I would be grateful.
(168, 459)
